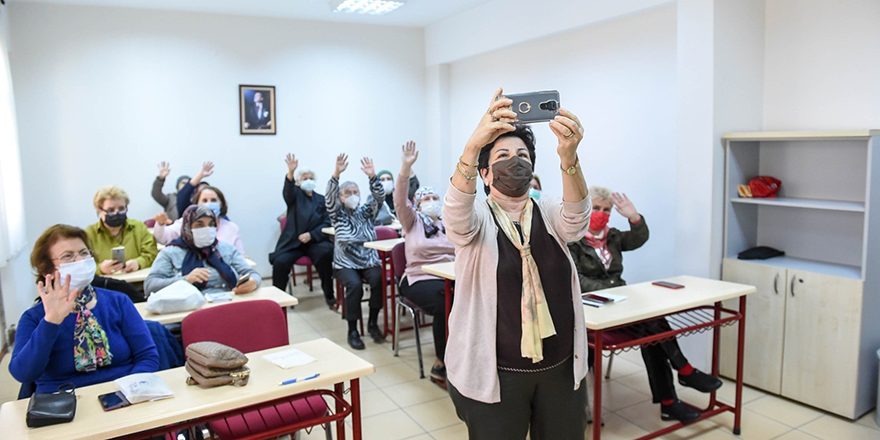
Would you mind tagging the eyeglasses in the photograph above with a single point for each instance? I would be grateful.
(70, 257)
(121, 211)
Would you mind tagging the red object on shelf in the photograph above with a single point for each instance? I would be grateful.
(764, 187)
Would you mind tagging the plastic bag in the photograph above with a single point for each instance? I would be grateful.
(178, 297)
(764, 186)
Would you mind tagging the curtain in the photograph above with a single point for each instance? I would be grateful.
(12, 229)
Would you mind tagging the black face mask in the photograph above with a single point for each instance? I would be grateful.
(512, 176)
(115, 220)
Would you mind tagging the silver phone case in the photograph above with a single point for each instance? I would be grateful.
(528, 106)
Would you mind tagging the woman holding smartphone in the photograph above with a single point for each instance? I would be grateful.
(199, 258)
(516, 355)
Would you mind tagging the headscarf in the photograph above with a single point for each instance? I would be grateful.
(91, 349)
(380, 173)
(600, 244)
(430, 227)
(537, 323)
(196, 257)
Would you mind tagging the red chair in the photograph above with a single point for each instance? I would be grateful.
(226, 324)
(398, 256)
(302, 261)
(149, 223)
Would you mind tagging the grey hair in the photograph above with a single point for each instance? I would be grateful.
(600, 192)
(346, 185)
(302, 171)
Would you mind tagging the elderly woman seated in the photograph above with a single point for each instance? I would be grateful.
(114, 229)
(98, 329)
(199, 258)
(210, 197)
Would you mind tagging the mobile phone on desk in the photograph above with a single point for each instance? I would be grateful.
(118, 254)
(111, 401)
(535, 106)
(243, 279)
(668, 285)
(598, 298)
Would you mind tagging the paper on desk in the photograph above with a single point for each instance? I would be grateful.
(143, 387)
(289, 358)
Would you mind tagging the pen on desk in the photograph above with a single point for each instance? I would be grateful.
(299, 379)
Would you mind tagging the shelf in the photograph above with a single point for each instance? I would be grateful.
(828, 205)
(800, 135)
(839, 270)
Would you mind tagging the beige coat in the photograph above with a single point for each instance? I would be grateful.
(471, 361)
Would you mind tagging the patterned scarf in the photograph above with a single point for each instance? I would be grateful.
(600, 244)
(537, 323)
(91, 348)
(431, 229)
(196, 257)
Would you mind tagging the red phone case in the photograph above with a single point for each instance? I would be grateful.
(668, 285)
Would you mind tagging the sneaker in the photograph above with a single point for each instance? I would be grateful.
(700, 381)
(376, 333)
(679, 411)
(354, 340)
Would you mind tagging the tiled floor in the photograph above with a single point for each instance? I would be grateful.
(397, 405)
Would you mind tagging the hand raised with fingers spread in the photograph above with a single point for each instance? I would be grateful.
(410, 154)
(341, 165)
(497, 120)
(367, 167)
(161, 219)
(164, 169)
(207, 169)
(58, 300)
(625, 207)
(292, 162)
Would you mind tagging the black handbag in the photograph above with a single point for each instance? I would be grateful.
(52, 409)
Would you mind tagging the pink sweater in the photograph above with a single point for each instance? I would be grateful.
(471, 361)
(420, 250)
(227, 232)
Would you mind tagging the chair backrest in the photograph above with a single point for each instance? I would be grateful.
(283, 221)
(247, 326)
(149, 223)
(398, 257)
(385, 233)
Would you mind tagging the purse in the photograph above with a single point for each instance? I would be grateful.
(51, 409)
(213, 364)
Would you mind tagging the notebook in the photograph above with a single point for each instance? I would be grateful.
(612, 297)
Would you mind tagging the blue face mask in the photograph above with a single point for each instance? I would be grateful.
(535, 193)
(213, 206)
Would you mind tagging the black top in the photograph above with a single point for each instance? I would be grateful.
(591, 271)
(555, 271)
(305, 213)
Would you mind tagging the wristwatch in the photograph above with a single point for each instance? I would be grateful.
(573, 169)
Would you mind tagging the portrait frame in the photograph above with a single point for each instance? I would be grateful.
(249, 121)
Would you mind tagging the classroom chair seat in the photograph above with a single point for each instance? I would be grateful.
(398, 256)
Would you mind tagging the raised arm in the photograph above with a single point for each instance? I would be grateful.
(290, 189)
(184, 196)
(638, 230)
(331, 196)
(371, 209)
(403, 207)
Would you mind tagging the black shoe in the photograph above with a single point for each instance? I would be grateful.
(331, 302)
(354, 339)
(376, 333)
(438, 372)
(700, 381)
(679, 411)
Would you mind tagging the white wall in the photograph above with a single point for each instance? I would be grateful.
(822, 65)
(619, 78)
(104, 94)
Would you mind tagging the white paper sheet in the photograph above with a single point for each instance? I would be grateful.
(289, 358)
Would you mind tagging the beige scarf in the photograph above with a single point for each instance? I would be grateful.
(537, 323)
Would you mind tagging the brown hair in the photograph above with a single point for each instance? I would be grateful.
(219, 196)
(40, 258)
(109, 192)
(537, 179)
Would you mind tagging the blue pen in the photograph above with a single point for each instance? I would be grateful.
(299, 379)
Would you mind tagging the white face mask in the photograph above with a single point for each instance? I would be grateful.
(81, 272)
(431, 208)
(352, 201)
(308, 185)
(204, 237)
(388, 186)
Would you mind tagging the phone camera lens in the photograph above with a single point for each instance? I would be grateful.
(550, 105)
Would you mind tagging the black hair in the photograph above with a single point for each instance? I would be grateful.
(523, 132)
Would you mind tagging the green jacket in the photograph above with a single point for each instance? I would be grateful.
(137, 239)
(591, 272)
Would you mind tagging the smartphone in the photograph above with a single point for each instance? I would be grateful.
(668, 285)
(119, 254)
(243, 279)
(598, 298)
(111, 401)
(535, 106)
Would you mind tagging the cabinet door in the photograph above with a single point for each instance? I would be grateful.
(765, 313)
(822, 336)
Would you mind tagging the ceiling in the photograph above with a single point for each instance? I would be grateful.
(415, 13)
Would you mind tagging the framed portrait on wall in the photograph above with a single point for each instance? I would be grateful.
(257, 109)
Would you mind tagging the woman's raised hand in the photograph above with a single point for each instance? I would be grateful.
(367, 167)
(164, 169)
(570, 132)
(207, 169)
(58, 300)
(625, 207)
(292, 163)
(341, 165)
(410, 154)
(497, 120)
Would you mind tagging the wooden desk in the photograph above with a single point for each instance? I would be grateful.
(686, 311)
(388, 288)
(447, 272)
(394, 225)
(269, 292)
(335, 364)
(137, 276)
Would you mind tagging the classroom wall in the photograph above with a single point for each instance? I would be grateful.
(619, 79)
(104, 94)
(822, 65)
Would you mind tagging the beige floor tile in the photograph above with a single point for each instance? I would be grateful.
(834, 428)
(421, 437)
(434, 415)
(297, 326)
(378, 355)
(624, 366)
(636, 381)
(726, 392)
(393, 374)
(754, 426)
(784, 411)
(647, 416)
(616, 396)
(457, 432)
(413, 393)
(303, 337)
(367, 384)
(375, 402)
(796, 435)
(869, 420)
(616, 428)
(395, 425)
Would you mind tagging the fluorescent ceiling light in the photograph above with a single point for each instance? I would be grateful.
(371, 7)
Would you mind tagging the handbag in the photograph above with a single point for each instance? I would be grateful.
(51, 409)
(213, 364)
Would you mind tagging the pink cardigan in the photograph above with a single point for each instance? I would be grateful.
(227, 232)
(420, 250)
(471, 361)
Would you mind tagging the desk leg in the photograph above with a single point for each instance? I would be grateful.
(716, 343)
(356, 409)
(597, 384)
(384, 258)
(447, 294)
(340, 424)
(391, 302)
(740, 352)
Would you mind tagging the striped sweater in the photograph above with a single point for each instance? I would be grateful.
(354, 227)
